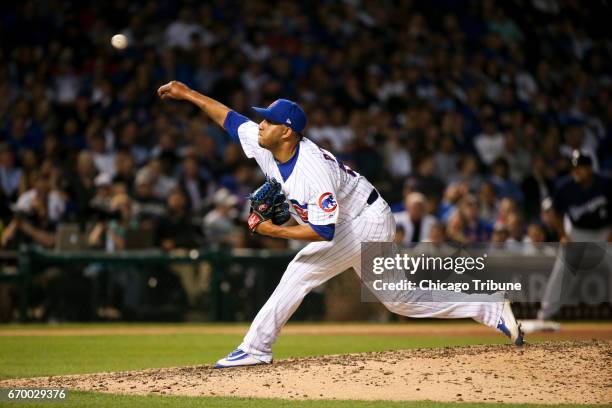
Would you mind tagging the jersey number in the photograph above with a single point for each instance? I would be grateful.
(341, 165)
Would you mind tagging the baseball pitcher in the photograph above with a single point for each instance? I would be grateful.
(335, 208)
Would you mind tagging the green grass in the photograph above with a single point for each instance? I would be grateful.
(93, 325)
(411, 322)
(89, 399)
(28, 356)
(22, 356)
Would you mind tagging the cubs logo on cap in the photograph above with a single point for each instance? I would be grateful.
(327, 202)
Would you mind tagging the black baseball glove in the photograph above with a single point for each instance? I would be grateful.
(268, 203)
(280, 215)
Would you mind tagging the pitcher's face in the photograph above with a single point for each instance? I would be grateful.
(270, 133)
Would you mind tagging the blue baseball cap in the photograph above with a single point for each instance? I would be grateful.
(286, 113)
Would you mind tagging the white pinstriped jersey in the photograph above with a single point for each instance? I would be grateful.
(321, 189)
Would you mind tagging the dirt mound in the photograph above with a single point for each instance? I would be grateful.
(553, 372)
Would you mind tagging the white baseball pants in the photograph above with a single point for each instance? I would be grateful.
(320, 261)
(551, 300)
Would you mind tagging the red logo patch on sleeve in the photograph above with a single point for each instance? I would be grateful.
(327, 202)
(300, 209)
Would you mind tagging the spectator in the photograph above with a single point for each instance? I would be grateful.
(53, 202)
(575, 140)
(182, 30)
(490, 143)
(128, 142)
(336, 132)
(549, 221)
(424, 179)
(504, 186)
(487, 202)
(537, 186)
(164, 181)
(535, 234)
(220, 222)
(126, 168)
(464, 226)
(468, 173)
(103, 159)
(534, 242)
(515, 227)
(67, 83)
(22, 134)
(81, 187)
(500, 235)
(400, 235)
(175, 229)
(505, 27)
(32, 222)
(506, 208)
(437, 234)
(194, 185)
(10, 175)
(397, 158)
(518, 158)
(446, 160)
(101, 201)
(415, 222)
(114, 230)
(144, 196)
(452, 196)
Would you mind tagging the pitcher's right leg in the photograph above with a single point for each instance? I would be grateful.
(311, 267)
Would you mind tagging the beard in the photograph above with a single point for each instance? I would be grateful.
(263, 144)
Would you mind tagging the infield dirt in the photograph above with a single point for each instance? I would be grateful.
(554, 372)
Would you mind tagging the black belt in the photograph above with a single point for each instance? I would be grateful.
(373, 197)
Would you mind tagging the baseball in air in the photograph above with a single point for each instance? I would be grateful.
(119, 41)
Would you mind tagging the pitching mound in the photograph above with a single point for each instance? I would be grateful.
(559, 372)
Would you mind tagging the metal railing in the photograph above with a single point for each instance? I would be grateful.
(30, 260)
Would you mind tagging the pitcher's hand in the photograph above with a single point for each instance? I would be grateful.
(174, 90)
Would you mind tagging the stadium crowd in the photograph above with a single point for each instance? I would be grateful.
(464, 114)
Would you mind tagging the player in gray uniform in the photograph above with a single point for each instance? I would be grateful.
(336, 209)
(583, 207)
